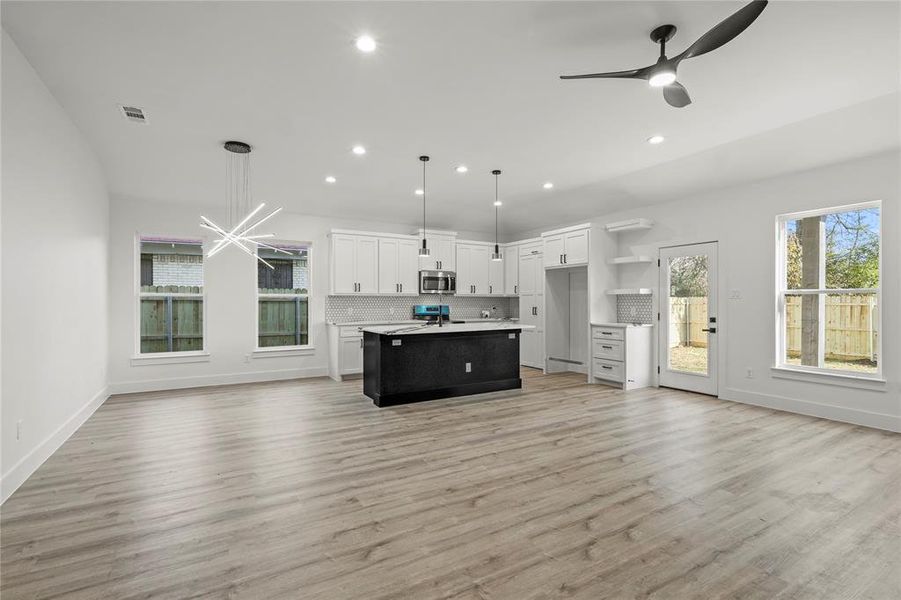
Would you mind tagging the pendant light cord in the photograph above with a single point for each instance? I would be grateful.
(495, 209)
(423, 204)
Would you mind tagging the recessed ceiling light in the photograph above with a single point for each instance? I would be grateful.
(462, 169)
(656, 139)
(359, 150)
(330, 179)
(548, 185)
(418, 192)
(365, 44)
(498, 203)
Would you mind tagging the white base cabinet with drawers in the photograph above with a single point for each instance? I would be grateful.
(345, 343)
(621, 354)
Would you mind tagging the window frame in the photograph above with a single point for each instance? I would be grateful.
(166, 357)
(294, 348)
(782, 291)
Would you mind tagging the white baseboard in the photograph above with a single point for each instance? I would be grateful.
(815, 409)
(22, 470)
(178, 383)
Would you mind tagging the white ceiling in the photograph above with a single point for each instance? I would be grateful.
(476, 83)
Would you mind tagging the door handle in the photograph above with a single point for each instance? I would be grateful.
(515, 289)
(401, 288)
(361, 342)
(490, 288)
(564, 259)
(561, 259)
(711, 330)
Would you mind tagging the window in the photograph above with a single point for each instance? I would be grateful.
(171, 295)
(283, 310)
(829, 290)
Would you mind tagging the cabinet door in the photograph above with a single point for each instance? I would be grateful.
(478, 268)
(389, 278)
(496, 275)
(464, 270)
(344, 248)
(575, 247)
(408, 266)
(367, 263)
(511, 270)
(351, 355)
(527, 274)
(554, 250)
(447, 254)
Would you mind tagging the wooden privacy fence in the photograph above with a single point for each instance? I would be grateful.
(283, 321)
(850, 318)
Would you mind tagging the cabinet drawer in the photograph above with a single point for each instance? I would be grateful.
(606, 369)
(609, 349)
(607, 333)
(351, 332)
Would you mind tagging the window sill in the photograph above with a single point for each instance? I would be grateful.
(277, 351)
(864, 382)
(169, 358)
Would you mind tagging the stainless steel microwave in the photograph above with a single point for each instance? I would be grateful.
(437, 282)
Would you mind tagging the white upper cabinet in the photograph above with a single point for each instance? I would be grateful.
(511, 269)
(553, 250)
(443, 253)
(566, 247)
(496, 274)
(354, 264)
(398, 266)
(474, 271)
(408, 266)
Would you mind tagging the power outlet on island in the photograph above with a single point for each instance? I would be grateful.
(469, 367)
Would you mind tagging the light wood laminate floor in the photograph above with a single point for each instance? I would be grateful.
(303, 489)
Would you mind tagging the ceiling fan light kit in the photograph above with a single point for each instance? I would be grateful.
(662, 74)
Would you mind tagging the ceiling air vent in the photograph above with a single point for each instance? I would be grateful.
(133, 114)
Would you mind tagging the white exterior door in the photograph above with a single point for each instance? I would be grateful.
(688, 318)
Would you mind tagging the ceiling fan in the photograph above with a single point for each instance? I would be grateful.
(663, 72)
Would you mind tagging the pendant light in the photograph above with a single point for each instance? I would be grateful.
(497, 251)
(424, 251)
(237, 203)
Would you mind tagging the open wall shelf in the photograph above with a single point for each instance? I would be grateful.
(625, 291)
(629, 225)
(629, 260)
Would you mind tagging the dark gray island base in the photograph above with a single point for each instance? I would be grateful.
(433, 362)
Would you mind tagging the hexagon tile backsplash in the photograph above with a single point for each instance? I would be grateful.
(343, 309)
(634, 308)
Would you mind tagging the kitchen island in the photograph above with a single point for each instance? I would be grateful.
(411, 363)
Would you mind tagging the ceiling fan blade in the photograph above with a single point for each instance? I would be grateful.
(726, 31)
(676, 95)
(642, 73)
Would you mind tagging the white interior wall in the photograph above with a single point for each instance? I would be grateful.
(54, 274)
(230, 284)
(742, 220)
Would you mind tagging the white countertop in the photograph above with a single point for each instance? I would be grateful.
(446, 328)
(622, 325)
(415, 321)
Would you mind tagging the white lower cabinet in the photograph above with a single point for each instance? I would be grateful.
(622, 354)
(345, 351)
(531, 307)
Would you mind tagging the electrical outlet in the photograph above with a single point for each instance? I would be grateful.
(18, 430)
(750, 374)
(469, 367)
(350, 310)
(247, 358)
(735, 295)
(633, 311)
(391, 310)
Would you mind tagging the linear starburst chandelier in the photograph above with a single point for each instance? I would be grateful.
(238, 231)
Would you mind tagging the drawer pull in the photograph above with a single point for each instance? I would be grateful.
(606, 333)
(608, 367)
(607, 347)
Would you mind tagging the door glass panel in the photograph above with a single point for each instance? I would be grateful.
(688, 314)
